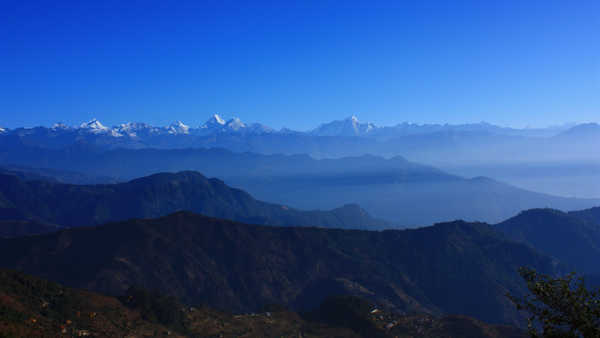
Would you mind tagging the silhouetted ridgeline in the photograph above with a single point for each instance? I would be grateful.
(573, 237)
(154, 196)
(407, 193)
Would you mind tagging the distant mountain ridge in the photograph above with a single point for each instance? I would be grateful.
(154, 196)
(53, 175)
(139, 134)
(435, 144)
(347, 127)
(350, 126)
(215, 124)
(395, 189)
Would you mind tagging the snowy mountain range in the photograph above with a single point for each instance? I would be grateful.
(350, 126)
(347, 127)
(437, 144)
(215, 124)
(530, 158)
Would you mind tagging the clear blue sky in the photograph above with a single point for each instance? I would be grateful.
(297, 64)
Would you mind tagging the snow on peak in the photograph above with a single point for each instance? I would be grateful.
(178, 127)
(350, 126)
(94, 126)
(59, 125)
(217, 119)
(214, 121)
(2, 130)
(115, 133)
(134, 126)
(132, 129)
(235, 124)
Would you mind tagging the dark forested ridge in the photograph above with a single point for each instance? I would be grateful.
(591, 216)
(154, 196)
(457, 268)
(573, 237)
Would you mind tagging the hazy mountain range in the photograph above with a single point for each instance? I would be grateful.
(30, 206)
(463, 143)
(350, 126)
(559, 160)
(394, 189)
(64, 184)
(242, 267)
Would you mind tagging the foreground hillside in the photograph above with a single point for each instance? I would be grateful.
(152, 196)
(35, 307)
(31, 306)
(457, 268)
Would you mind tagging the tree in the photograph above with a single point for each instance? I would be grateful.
(559, 307)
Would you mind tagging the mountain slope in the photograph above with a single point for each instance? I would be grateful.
(154, 196)
(591, 216)
(570, 237)
(18, 228)
(457, 267)
(347, 127)
(53, 175)
(408, 199)
(31, 306)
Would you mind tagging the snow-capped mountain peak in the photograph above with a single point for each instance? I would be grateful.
(93, 126)
(217, 124)
(214, 121)
(350, 126)
(178, 127)
(59, 126)
(2, 130)
(135, 129)
(217, 119)
(235, 124)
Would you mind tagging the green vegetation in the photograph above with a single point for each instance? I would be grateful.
(559, 307)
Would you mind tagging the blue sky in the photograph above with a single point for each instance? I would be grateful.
(299, 63)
